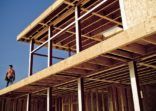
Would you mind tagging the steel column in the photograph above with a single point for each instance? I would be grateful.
(28, 108)
(30, 70)
(49, 99)
(78, 29)
(81, 103)
(135, 86)
(50, 46)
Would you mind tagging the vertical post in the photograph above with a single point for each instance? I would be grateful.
(30, 71)
(81, 103)
(78, 30)
(50, 46)
(135, 86)
(49, 99)
(69, 53)
(28, 102)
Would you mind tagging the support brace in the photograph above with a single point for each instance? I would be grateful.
(30, 71)
(49, 99)
(50, 46)
(135, 86)
(28, 102)
(78, 29)
(81, 103)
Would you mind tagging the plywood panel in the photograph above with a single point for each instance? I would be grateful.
(135, 11)
(139, 10)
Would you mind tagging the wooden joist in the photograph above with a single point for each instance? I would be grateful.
(124, 38)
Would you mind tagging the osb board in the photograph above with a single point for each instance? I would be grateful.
(128, 36)
(139, 10)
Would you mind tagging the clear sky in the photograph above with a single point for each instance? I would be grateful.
(15, 15)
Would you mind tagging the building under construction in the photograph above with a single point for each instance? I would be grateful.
(110, 63)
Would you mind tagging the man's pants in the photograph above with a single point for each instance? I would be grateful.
(10, 81)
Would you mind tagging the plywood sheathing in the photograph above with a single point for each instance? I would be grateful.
(126, 37)
(139, 10)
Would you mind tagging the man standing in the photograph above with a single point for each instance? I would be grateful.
(10, 75)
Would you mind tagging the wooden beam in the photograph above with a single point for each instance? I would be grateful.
(88, 66)
(68, 31)
(40, 18)
(102, 16)
(101, 61)
(148, 65)
(135, 48)
(115, 58)
(75, 71)
(96, 14)
(126, 37)
(103, 80)
(122, 54)
(151, 39)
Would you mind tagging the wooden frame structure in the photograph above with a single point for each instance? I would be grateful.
(100, 63)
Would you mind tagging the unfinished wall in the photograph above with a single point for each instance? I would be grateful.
(149, 94)
(37, 104)
(116, 98)
(137, 11)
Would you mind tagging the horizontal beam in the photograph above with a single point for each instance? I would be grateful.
(126, 37)
(148, 65)
(103, 80)
(96, 14)
(40, 18)
(44, 55)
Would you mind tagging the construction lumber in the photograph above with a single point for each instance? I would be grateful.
(40, 18)
(124, 38)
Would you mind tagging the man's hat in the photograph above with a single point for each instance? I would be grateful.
(11, 65)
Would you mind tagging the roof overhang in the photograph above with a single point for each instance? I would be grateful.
(39, 19)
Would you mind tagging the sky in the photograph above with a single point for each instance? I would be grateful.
(15, 15)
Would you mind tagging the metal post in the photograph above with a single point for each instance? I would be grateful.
(78, 29)
(49, 99)
(69, 53)
(81, 103)
(50, 46)
(30, 71)
(28, 102)
(135, 86)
